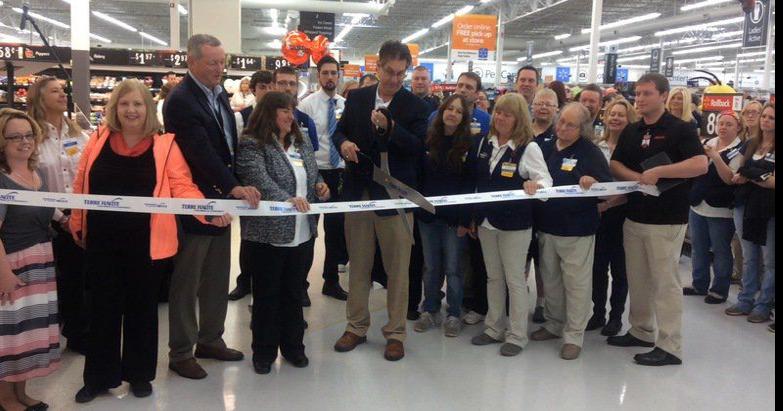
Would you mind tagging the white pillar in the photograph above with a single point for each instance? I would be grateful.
(595, 38)
(449, 64)
(174, 24)
(80, 54)
(765, 83)
(499, 53)
(737, 72)
(220, 18)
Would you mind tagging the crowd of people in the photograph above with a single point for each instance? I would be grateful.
(99, 288)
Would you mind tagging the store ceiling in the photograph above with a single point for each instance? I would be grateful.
(551, 17)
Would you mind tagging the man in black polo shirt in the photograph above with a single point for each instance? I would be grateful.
(655, 228)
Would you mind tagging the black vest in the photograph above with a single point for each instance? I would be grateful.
(503, 215)
(711, 188)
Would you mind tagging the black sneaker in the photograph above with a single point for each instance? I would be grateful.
(238, 293)
(141, 389)
(333, 289)
(692, 291)
(656, 358)
(714, 299)
(538, 315)
(87, 394)
(612, 328)
(298, 361)
(262, 367)
(628, 340)
(595, 323)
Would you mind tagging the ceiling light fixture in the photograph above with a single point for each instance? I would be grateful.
(182, 10)
(707, 3)
(727, 34)
(707, 48)
(347, 29)
(433, 48)
(415, 35)
(608, 43)
(114, 21)
(625, 22)
(562, 36)
(152, 38)
(636, 58)
(697, 27)
(100, 38)
(757, 53)
(542, 55)
(43, 18)
(450, 17)
(711, 58)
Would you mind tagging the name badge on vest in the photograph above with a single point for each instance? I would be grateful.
(296, 159)
(507, 169)
(733, 153)
(475, 127)
(646, 140)
(568, 164)
(71, 147)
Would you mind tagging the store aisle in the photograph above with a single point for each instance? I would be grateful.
(729, 364)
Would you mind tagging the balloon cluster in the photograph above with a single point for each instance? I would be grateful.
(298, 48)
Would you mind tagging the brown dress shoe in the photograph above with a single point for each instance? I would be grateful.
(394, 350)
(221, 354)
(542, 335)
(570, 351)
(348, 342)
(188, 368)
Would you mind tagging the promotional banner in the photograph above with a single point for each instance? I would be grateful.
(610, 68)
(414, 49)
(474, 37)
(352, 71)
(655, 60)
(754, 33)
(371, 63)
(563, 74)
(715, 104)
(314, 24)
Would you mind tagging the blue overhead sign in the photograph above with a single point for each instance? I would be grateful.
(622, 75)
(563, 74)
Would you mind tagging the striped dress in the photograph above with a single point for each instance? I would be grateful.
(29, 329)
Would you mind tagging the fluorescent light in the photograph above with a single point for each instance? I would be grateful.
(275, 30)
(762, 71)
(415, 35)
(636, 58)
(182, 10)
(443, 21)
(699, 5)
(634, 66)
(715, 64)
(275, 44)
(362, 15)
(752, 60)
(100, 38)
(562, 36)
(464, 10)
(347, 29)
(711, 58)
(152, 38)
(43, 18)
(114, 21)
(757, 53)
(433, 48)
(703, 26)
(727, 34)
(625, 22)
(10, 38)
(707, 48)
(542, 55)
(608, 43)
(274, 14)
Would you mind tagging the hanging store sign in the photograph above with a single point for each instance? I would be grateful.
(655, 61)
(563, 74)
(712, 107)
(754, 33)
(610, 68)
(474, 37)
(668, 69)
(314, 24)
(371, 63)
(352, 71)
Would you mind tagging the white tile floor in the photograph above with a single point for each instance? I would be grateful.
(728, 364)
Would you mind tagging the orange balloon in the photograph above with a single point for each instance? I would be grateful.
(319, 47)
(296, 48)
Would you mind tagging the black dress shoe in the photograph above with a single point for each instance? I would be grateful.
(262, 367)
(692, 291)
(238, 293)
(87, 394)
(41, 406)
(306, 299)
(656, 358)
(298, 361)
(612, 328)
(628, 340)
(538, 315)
(595, 323)
(413, 315)
(713, 299)
(333, 289)
(141, 389)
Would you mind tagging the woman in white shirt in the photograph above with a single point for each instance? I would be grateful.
(59, 154)
(244, 97)
(507, 160)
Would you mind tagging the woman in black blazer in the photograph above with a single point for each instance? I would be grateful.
(278, 251)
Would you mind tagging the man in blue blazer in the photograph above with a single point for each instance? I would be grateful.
(198, 113)
(360, 147)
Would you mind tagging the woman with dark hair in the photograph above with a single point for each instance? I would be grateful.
(278, 251)
(448, 141)
(560, 91)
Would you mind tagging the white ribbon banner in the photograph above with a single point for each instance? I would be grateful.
(186, 206)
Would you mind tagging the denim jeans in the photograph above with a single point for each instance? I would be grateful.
(753, 280)
(714, 234)
(442, 249)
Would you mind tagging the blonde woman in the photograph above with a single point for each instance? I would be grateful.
(508, 159)
(127, 157)
(680, 105)
(59, 153)
(29, 333)
(244, 97)
(751, 116)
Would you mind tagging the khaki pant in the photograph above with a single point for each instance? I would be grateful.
(652, 255)
(736, 249)
(361, 230)
(566, 265)
(504, 257)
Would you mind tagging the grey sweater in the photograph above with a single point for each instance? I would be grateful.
(266, 168)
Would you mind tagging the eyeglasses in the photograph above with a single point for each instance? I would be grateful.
(567, 126)
(391, 73)
(287, 83)
(544, 105)
(21, 137)
(752, 113)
